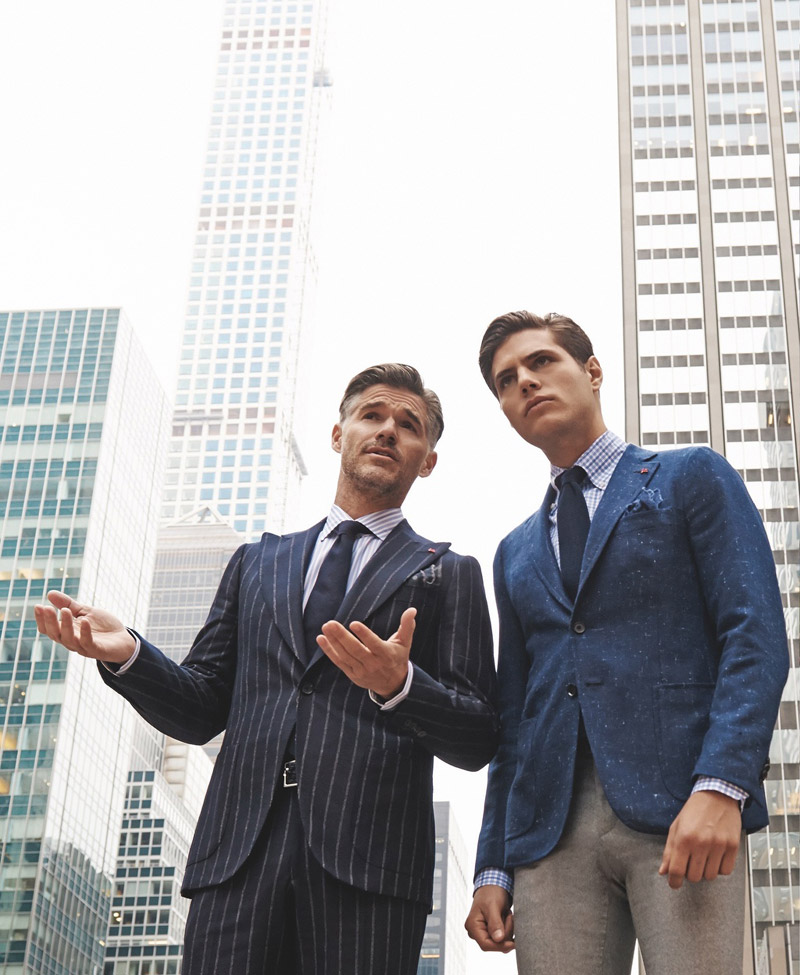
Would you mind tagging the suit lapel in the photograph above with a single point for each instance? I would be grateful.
(538, 547)
(401, 555)
(634, 472)
(284, 562)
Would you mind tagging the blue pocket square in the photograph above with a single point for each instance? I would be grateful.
(648, 499)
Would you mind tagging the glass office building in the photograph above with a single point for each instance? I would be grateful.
(82, 439)
(166, 785)
(444, 946)
(710, 181)
(234, 444)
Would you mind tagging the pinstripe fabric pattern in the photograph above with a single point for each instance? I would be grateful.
(282, 914)
(365, 775)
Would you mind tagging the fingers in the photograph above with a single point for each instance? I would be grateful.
(408, 623)
(703, 840)
(490, 923)
(62, 601)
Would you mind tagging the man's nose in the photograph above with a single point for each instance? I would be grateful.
(528, 380)
(387, 431)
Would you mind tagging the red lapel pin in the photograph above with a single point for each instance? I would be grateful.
(644, 471)
(432, 551)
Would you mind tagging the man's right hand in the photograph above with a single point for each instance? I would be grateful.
(84, 630)
(490, 921)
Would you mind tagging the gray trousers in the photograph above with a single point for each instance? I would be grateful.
(580, 909)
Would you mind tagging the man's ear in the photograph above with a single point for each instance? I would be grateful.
(595, 371)
(428, 464)
(336, 438)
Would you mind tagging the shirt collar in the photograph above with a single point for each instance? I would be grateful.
(599, 461)
(380, 523)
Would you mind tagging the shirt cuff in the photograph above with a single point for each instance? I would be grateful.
(707, 783)
(401, 695)
(119, 670)
(494, 875)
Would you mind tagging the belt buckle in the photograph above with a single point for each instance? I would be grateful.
(290, 774)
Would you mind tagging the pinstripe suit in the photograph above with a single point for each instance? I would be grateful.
(365, 775)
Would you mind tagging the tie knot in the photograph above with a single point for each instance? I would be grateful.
(351, 529)
(573, 475)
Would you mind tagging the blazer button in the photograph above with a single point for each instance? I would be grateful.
(572, 690)
(307, 687)
(578, 628)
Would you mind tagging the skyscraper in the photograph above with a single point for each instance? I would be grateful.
(166, 785)
(710, 179)
(82, 443)
(191, 556)
(444, 944)
(234, 443)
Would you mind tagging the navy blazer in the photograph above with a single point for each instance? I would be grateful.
(674, 652)
(365, 775)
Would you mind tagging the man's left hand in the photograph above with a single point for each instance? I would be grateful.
(703, 839)
(380, 666)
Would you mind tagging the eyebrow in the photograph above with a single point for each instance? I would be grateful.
(379, 402)
(526, 358)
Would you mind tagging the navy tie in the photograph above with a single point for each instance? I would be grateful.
(573, 526)
(329, 590)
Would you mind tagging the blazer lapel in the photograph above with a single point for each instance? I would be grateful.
(283, 569)
(538, 548)
(401, 555)
(634, 472)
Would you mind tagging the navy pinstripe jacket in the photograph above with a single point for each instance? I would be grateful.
(365, 775)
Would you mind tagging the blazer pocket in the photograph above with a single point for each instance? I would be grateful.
(646, 519)
(428, 577)
(682, 719)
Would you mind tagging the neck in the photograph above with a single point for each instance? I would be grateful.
(357, 505)
(566, 450)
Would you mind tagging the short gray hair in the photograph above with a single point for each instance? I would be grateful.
(400, 376)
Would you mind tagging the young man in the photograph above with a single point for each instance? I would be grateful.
(340, 660)
(642, 657)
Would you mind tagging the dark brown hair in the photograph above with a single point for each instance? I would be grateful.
(400, 376)
(570, 336)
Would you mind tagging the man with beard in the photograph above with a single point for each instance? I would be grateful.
(339, 660)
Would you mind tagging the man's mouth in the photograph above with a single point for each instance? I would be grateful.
(377, 451)
(536, 401)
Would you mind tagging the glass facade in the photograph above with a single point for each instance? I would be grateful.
(233, 438)
(83, 436)
(165, 789)
(710, 181)
(444, 946)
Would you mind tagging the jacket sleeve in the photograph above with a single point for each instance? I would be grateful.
(512, 676)
(189, 701)
(451, 713)
(737, 573)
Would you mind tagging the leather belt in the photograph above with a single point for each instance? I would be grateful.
(290, 774)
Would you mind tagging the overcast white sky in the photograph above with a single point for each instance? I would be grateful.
(469, 168)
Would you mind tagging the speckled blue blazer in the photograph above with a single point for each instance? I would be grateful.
(674, 652)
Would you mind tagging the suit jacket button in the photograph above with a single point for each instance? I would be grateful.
(307, 687)
(572, 690)
(579, 627)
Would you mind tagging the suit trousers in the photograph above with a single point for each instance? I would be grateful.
(282, 914)
(582, 907)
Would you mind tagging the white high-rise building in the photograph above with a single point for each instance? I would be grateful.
(234, 444)
(710, 181)
(83, 437)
